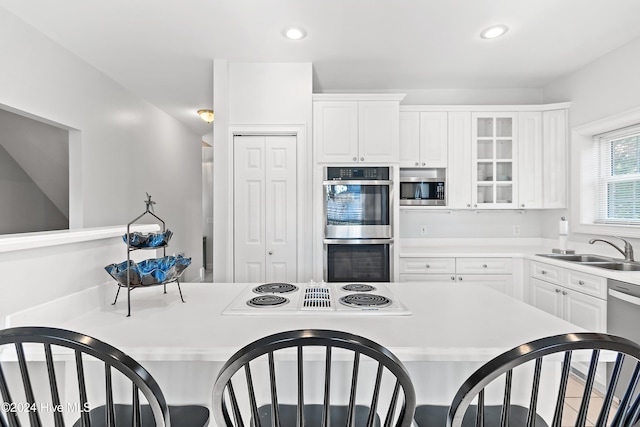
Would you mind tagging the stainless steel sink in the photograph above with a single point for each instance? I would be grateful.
(620, 266)
(596, 261)
(578, 257)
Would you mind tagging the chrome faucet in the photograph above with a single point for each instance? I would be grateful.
(628, 249)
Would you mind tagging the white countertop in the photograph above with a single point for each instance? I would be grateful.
(459, 322)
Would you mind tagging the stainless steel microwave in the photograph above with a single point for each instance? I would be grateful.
(421, 191)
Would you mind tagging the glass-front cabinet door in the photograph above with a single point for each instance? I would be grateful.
(494, 153)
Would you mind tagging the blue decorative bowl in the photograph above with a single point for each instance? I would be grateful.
(150, 240)
(152, 271)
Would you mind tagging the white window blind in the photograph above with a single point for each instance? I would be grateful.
(618, 171)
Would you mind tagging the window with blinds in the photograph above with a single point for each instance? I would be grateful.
(618, 172)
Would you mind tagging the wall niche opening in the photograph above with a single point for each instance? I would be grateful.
(34, 175)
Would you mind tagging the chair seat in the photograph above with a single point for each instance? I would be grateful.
(180, 416)
(313, 415)
(436, 416)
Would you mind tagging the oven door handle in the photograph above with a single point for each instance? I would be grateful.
(625, 297)
(357, 182)
(356, 241)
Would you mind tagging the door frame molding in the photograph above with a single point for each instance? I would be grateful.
(303, 191)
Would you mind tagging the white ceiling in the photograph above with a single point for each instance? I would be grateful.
(163, 50)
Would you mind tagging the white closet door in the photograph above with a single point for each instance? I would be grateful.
(265, 209)
(281, 207)
(249, 199)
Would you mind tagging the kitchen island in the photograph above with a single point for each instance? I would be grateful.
(451, 331)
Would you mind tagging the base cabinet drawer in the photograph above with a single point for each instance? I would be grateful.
(422, 265)
(546, 272)
(484, 265)
(428, 278)
(586, 283)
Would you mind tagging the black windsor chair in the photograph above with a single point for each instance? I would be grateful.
(620, 371)
(245, 398)
(55, 377)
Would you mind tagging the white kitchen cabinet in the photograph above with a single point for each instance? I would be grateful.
(265, 209)
(530, 160)
(428, 269)
(352, 130)
(542, 159)
(426, 265)
(459, 174)
(493, 272)
(423, 139)
(554, 164)
(546, 296)
(335, 128)
(494, 154)
(574, 296)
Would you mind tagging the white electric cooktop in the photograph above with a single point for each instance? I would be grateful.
(317, 298)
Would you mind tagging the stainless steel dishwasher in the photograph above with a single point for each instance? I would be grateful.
(623, 317)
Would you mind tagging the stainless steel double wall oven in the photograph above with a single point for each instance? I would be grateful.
(358, 224)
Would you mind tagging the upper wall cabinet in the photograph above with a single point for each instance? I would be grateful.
(514, 157)
(423, 139)
(356, 128)
(494, 153)
(543, 159)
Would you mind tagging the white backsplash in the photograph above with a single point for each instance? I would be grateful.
(470, 224)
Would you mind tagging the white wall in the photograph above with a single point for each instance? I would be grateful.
(607, 86)
(127, 146)
(259, 96)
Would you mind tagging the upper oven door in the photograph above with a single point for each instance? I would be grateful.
(355, 209)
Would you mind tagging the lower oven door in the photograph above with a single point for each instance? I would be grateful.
(358, 260)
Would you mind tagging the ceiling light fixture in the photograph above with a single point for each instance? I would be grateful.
(206, 115)
(294, 33)
(494, 31)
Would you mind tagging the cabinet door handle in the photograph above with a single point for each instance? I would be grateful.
(428, 266)
(484, 265)
(543, 272)
(423, 163)
(468, 205)
(580, 282)
(453, 278)
(460, 279)
(475, 206)
(522, 205)
(417, 163)
(270, 252)
(362, 159)
(558, 291)
(355, 159)
(564, 292)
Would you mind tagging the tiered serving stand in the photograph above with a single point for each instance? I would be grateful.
(131, 247)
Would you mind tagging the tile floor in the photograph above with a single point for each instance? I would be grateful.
(572, 404)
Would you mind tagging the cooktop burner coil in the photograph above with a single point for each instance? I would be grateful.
(275, 288)
(365, 300)
(267, 301)
(358, 287)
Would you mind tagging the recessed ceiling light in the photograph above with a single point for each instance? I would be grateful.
(294, 33)
(494, 31)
